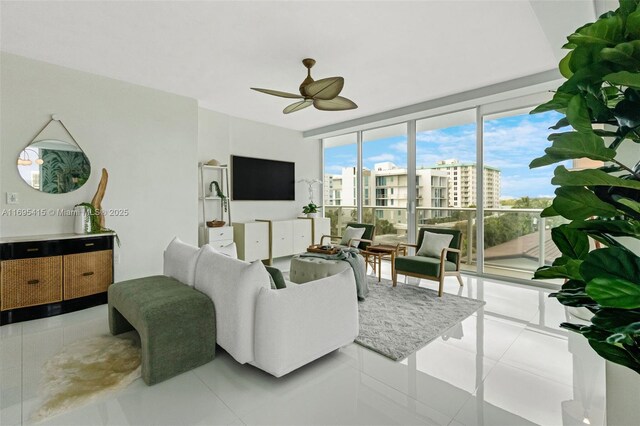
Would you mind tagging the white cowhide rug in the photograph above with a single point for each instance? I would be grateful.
(87, 370)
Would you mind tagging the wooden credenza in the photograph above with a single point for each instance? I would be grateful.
(43, 276)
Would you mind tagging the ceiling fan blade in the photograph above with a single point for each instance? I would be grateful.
(297, 106)
(336, 104)
(278, 93)
(327, 88)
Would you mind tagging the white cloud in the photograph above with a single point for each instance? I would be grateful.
(399, 146)
(334, 168)
(380, 158)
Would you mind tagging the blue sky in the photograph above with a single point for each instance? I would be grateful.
(510, 143)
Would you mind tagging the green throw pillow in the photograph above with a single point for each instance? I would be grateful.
(276, 278)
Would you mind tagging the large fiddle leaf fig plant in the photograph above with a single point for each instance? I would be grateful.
(601, 103)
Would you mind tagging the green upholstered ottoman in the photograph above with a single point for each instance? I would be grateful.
(176, 324)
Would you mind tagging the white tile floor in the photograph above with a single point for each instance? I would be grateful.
(508, 364)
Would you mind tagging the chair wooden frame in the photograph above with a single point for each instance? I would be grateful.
(443, 273)
(349, 244)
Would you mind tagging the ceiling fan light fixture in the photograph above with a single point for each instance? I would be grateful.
(322, 94)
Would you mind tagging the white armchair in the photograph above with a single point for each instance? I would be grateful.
(276, 330)
(300, 323)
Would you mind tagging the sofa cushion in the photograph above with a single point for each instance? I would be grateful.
(422, 265)
(180, 261)
(233, 285)
(433, 244)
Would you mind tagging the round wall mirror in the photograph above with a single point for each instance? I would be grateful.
(54, 166)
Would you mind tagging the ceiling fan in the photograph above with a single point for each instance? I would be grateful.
(322, 94)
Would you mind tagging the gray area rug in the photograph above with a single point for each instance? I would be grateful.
(396, 322)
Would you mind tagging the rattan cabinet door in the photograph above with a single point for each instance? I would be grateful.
(30, 282)
(87, 273)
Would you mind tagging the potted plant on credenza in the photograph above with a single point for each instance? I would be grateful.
(311, 210)
(601, 103)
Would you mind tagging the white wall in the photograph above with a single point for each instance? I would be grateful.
(220, 136)
(146, 139)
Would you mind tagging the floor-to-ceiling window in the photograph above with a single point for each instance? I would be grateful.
(446, 176)
(384, 182)
(504, 235)
(516, 239)
(340, 185)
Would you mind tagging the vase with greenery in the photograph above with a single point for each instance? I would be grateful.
(94, 221)
(214, 186)
(600, 101)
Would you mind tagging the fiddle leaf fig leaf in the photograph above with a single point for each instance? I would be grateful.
(584, 76)
(563, 122)
(633, 23)
(606, 31)
(590, 177)
(616, 354)
(627, 113)
(628, 202)
(549, 212)
(571, 242)
(564, 65)
(615, 228)
(580, 203)
(626, 321)
(572, 145)
(614, 293)
(627, 7)
(570, 270)
(625, 54)
(578, 114)
(558, 103)
(624, 78)
(611, 263)
(573, 294)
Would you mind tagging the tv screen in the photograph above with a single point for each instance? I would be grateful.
(259, 179)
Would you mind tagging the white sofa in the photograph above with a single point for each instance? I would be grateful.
(277, 331)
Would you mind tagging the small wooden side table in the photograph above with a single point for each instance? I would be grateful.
(380, 251)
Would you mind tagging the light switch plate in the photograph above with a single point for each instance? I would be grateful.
(12, 198)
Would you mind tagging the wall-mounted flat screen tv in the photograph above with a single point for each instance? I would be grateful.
(260, 179)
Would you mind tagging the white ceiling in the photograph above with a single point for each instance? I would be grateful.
(392, 54)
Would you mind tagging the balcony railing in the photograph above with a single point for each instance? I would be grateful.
(514, 239)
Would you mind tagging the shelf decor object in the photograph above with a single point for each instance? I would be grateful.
(215, 224)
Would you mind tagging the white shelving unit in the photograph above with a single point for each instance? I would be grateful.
(212, 205)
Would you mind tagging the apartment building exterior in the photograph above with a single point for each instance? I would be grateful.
(385, 187)
(462, 183)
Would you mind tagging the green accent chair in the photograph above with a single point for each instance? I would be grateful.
(432, 268)
(365, 241)
(176, 324)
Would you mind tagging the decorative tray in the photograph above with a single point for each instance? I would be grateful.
(317, 248)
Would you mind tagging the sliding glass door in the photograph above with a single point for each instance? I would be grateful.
(384, 182)
(445, 177)
(340, 183)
